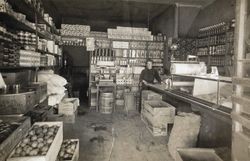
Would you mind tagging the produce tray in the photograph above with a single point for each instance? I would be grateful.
(76, 152)
(53, 149)
(13, 139)
(197, 154)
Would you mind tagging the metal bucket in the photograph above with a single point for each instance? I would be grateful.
(106, 103)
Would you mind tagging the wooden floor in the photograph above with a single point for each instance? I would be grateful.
(116, 137)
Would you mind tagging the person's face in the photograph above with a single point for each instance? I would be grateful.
(149, 65)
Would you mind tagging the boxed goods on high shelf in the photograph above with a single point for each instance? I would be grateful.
(99, 35)
(70, 41)
(24, 37)
(75, 30)
(74, 35)
(12, 129)
(130, 33)
(10, 15)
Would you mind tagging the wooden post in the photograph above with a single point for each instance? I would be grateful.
(240, 147)
(176, 21)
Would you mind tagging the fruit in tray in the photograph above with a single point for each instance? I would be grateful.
(6, 129)
(67, 150)
(37, 142)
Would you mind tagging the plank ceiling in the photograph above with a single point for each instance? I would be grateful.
(111, 12)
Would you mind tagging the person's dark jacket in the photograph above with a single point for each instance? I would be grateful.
(149, 75)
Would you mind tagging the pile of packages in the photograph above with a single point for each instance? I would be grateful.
(55, 86)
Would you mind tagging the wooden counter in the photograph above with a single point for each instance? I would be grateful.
(216, 120)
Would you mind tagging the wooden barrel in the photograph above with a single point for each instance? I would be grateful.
(106, 102)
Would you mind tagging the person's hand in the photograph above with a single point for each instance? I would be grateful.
(145, 82)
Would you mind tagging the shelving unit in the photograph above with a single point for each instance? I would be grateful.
(25, 47)
(215, 46)
(241, 98)
(19, 15)
(129, 61)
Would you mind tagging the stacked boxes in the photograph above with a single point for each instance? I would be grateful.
(26, 38)
(75, 30)
(29, 58)
(68, 107)
(130, 33)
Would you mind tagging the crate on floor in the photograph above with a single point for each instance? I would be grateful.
(159, 121)
(53, 150)
(150, 95)
(197, 154)
(155, 131)
(147, 95)
(15, 137)
(68, 106)
(159, 111)
(75, 155)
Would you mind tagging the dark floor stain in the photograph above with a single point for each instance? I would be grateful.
(99, 139)
(99, 128)
(152, 143)
(81, 113)
(138, 148)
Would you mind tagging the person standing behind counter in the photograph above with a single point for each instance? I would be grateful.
(148, 75)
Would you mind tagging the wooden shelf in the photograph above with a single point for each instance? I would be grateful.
(24, 7)
(12, 22)
(46, 52)
(211, 35)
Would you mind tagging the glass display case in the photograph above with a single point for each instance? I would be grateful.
(213, 90)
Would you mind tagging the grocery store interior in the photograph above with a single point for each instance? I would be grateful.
(119, 80)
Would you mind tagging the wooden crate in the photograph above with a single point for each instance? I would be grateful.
(158, 109)
(53, 149)
(150, 95)
(68, 106)
(76, 153)
(8, 144)
(197, 154)
(155, 131)
(158, 121)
